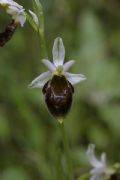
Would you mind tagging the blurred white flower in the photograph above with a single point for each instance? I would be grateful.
(99, 166)
(14, 9)
(34, 16)
(57, 67)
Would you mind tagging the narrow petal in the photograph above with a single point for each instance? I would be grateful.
(58, 52)
(97, 170)
(103, 158)
(40, 81)
(68, 65)
(10, 2)
(75, 78)
(91, 156)
(12, 10)
(13, 3)
(49, 65)
(2, 2)
(21, 19)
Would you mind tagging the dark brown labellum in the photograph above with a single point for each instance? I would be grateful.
(8, 33)
(115, 176)
(58, 96)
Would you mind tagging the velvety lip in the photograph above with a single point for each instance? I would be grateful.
(58, 96)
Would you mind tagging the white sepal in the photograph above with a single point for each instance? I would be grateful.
(99, 166)
(92, 158)
(74, 78)
(40, 81)
(11, 3)
(12, 10)
(58, 52)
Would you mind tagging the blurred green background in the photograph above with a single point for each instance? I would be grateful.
(29, 136)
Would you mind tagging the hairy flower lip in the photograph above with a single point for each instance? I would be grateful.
(57, 67)
(58, 93)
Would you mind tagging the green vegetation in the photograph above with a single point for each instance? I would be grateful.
(30, 139)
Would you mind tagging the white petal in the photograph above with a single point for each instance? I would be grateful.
(97, 170)
(40, 81)
(13, 3)
(17, 13)
(74, 78)
(68, 65)
(21, 19)
(103, 158)
(91, 157)
(2, 2)
(58, 52)
(49, 65)
(10, 2)
(34, 16)
(12, 10)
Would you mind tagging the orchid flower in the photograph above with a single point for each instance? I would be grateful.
(99, 166)
(57, 82)
(15, 10)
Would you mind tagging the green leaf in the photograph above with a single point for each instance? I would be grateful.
(31, 21)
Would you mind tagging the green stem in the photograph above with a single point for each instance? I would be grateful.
(37, 6)
(67, 152)
(42, 44)
(59, 171)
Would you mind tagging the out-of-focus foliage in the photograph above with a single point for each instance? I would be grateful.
(29, 136)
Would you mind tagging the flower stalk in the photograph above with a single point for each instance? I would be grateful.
(40, 27)
(60, 175)
(70, 175)
(42, 44)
